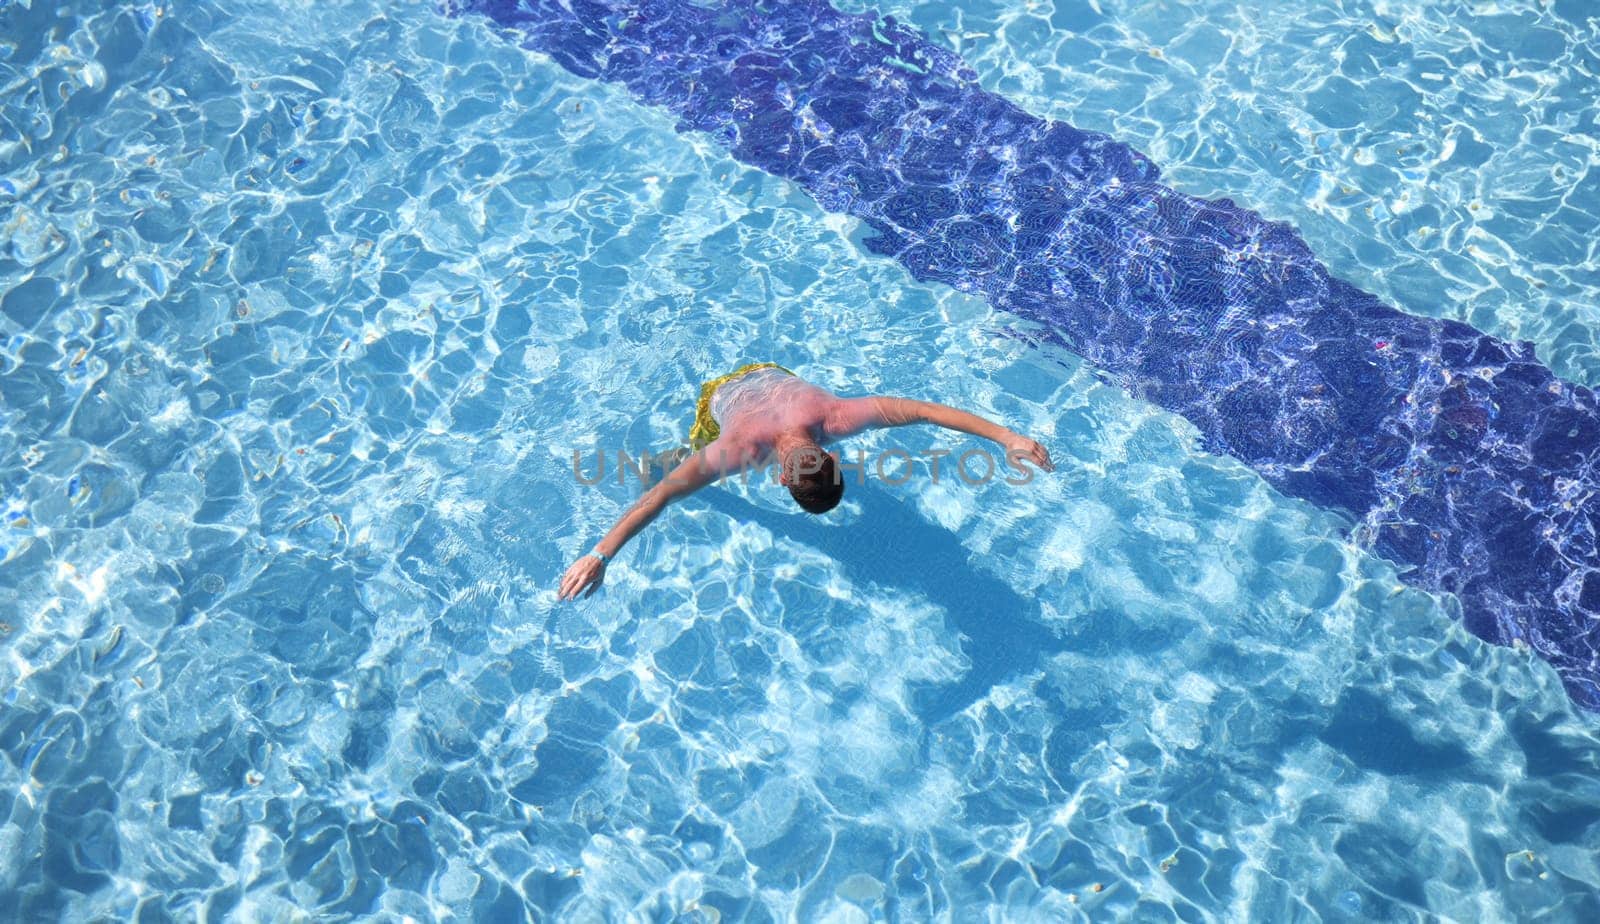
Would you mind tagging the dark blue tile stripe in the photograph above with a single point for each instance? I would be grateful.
(1462, 458)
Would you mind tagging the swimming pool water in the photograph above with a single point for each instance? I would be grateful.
(1440, 153)
(1458, 455)
(301, 330)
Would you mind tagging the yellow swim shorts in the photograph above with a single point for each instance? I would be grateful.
(705, 429)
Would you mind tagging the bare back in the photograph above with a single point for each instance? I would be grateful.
(754, 408)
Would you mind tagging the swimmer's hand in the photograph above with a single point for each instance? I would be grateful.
(583, 578)
(1019, 447)
(853, 415)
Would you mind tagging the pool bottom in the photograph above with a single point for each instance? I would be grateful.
(1461, 456)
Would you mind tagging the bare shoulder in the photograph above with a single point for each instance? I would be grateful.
(849, 416)
(729, 452)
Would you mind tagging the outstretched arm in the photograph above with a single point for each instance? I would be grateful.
(689, 476)
(854, 415)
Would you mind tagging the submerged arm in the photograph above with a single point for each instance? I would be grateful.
(689, 476)
(857, 414)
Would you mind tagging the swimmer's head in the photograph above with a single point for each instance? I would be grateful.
(812, 477)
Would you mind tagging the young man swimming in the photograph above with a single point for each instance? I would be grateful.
(763, 414)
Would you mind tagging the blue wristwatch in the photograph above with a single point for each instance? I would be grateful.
(604, 558)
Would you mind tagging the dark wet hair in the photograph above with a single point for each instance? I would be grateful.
(817, 491)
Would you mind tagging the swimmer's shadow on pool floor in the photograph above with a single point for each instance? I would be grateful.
(1002, 631)
(1003, 634)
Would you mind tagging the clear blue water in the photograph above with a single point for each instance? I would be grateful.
(306, 307)
(1441, 154)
